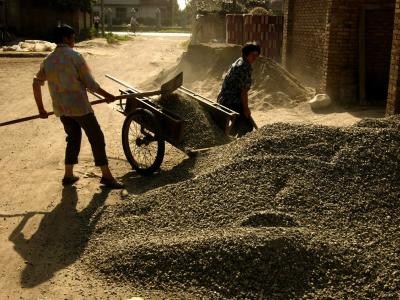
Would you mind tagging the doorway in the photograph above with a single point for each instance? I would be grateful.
(376, 33)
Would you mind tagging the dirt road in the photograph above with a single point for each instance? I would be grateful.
(42, 224)
(39, 221)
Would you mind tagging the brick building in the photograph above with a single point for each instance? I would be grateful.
(343, 48)
(121, 9)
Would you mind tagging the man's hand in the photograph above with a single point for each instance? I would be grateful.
(43, 114)
(247, 113)
(109, 98)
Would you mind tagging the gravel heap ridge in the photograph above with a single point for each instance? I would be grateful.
(289, 211)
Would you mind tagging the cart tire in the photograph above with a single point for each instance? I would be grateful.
(134, 145)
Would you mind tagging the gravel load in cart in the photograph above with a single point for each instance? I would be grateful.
(186, 120)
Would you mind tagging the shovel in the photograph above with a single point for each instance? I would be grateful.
(166, 88)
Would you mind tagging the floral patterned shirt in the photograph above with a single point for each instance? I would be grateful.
(237, 79)
(68, 78)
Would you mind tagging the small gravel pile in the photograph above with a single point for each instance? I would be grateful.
(287, 212)
(200, 130)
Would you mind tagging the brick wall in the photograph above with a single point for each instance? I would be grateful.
(393, 105)
(343, 63)
(322, 45)
(305, 36)
(267, 31)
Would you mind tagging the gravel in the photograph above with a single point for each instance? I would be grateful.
(199, 129)
(288, 211)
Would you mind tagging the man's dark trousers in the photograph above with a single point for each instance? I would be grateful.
(72, 127)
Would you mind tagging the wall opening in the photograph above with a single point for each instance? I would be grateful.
(376, 34)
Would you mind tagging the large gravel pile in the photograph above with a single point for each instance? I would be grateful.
(289, 211)
(200, 130)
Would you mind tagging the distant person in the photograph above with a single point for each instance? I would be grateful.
(236, 86)
(68, 78)
(133, 21)
(96, 21)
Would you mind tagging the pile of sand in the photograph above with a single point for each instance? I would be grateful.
(204, 66)
(200, 130)
(31, 46)
(289, 211)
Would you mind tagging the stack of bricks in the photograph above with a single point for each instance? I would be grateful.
(234, 29)
(267, 31)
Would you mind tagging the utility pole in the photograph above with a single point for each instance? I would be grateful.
(102, 17)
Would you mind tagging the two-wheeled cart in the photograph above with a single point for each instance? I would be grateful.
(148, 126)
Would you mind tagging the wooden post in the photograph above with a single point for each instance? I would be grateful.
(102, 17)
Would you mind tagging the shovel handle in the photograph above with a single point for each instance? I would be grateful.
(126, 96)
(38, 117)
(23, 120)
(254, 123)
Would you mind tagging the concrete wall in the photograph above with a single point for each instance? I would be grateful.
(2, 12)
(13, 14)
(209, 27)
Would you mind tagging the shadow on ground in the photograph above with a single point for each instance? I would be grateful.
(137, 184)
(60, 239)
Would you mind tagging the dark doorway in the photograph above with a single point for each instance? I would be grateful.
(375, 53)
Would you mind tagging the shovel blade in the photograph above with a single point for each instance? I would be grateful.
(172, 85)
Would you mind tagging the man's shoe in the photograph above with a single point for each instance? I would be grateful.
(70, 180)
(112, 184)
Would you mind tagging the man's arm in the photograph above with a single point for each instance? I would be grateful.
(86, 76)
(245, 103)
(38, 82)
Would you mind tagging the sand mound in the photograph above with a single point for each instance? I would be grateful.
(204, 67)
(200, 130)
(288, 211)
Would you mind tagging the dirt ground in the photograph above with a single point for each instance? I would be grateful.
(39, 220)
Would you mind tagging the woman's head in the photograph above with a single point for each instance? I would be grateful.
(64, 34)
(251, 52)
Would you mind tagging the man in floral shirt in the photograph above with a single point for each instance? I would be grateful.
(69, 78)
(235, 88)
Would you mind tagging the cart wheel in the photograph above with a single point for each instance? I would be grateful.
(142, 142)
